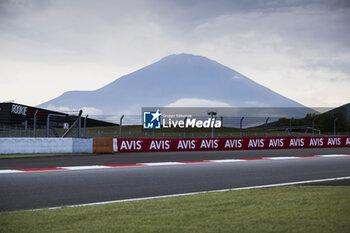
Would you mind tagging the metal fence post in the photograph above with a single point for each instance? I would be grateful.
(25, 127)
(313, 126)
(185, 127)
(48, 125)
(120, 125)
(240, 126)
(212, 129)
(267, 119)
(48, 122)
(85, 125)
(34, 127)
(79, 123)
(212, 114)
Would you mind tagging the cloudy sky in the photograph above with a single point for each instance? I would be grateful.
(297, 48)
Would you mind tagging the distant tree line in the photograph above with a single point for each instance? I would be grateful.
(323, 122)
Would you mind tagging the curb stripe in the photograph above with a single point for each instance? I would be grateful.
(7, 171)
(82, 167)
(226, 160)
(161, 164)
(204, 161)
(330, 156)
(280, 158)
(255, 159)
(41, 169)
(124, 165)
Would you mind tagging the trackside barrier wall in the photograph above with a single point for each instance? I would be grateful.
(204, 144)
(82, 145)
(44, 145)
(102, 145)
(110, 145)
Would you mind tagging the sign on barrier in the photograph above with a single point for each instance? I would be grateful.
(204, 144)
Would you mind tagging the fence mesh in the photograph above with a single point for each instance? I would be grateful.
(132, 127)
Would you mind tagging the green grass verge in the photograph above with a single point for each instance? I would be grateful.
(282, 209)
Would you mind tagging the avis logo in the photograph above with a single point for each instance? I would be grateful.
(151, 120)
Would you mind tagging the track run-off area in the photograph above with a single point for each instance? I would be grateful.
(34, 183)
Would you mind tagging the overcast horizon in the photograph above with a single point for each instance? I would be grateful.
(300, 49)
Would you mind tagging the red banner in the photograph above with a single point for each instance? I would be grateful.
(204, 144)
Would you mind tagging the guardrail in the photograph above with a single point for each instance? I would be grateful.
(110, 145)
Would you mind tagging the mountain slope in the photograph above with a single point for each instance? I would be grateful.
(175, 79)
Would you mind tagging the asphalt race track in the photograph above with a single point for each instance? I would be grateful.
(32, 190)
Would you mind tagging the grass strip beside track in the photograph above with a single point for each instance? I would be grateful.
(280, 209)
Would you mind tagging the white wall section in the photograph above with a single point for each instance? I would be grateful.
(44, 145)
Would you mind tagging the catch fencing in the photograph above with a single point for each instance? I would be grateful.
(130, 126)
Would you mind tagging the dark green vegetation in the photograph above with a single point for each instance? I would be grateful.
(282, 209)
(136, 131)
(323, 122)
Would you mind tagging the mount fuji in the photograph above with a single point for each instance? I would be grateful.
(182, 80)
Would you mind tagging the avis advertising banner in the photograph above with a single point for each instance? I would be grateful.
(204, 144)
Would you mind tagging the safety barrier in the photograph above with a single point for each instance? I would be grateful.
(110, 145)
(102, 145)
(45, 145)
(204, 144)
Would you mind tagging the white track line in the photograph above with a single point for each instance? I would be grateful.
(84, 167)
(281, 158)
(226, 160)
(212, 191)
(161, 164)
(9, 171)
(331, 156)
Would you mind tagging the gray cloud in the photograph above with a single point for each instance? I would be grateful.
(76, 40)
